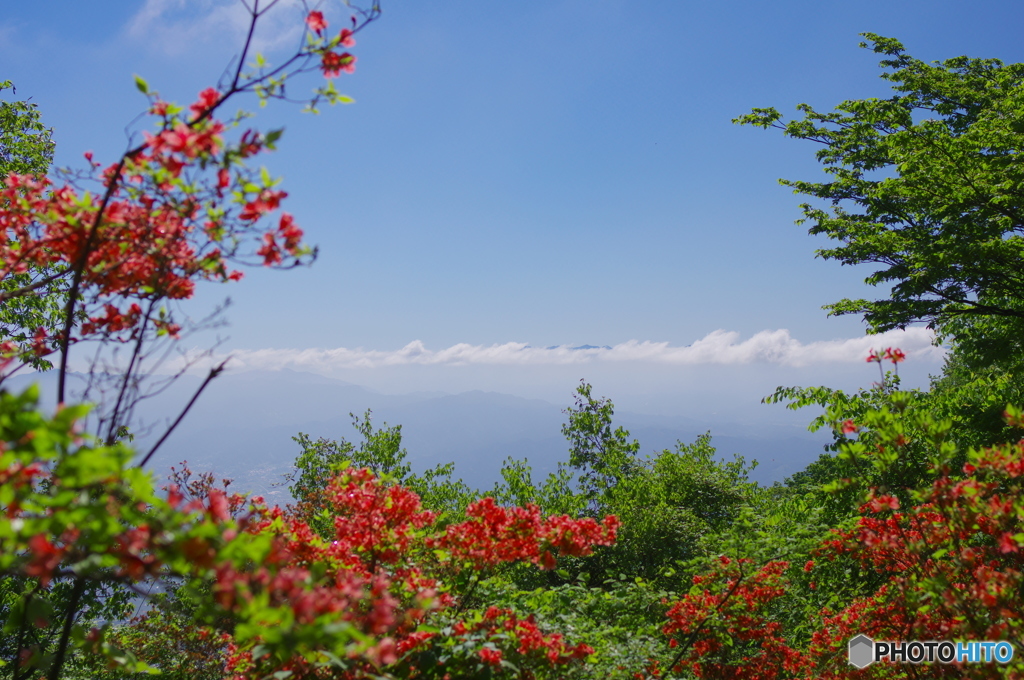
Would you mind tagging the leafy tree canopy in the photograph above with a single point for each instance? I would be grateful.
(26, 148)
(928, 186)
(26, 145)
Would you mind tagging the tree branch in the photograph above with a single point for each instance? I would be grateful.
(214, 372)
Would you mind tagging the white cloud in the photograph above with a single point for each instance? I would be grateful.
(175, 27)
(720, 347)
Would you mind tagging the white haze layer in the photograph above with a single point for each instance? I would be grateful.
(718, 347)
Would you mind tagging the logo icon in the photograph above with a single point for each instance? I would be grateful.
(861, 651)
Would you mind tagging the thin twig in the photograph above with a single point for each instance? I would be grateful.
(65, 635)
(79, 270)
(112, 433)
(19, 292)
(214, 372)
(22, 627)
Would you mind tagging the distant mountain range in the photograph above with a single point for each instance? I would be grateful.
(243, 424)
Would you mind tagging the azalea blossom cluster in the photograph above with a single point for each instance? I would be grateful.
(494, 534)
(381, 532)
(357, 601)
(160, 223)
(490, 643)
(333, 63)
(732, 614)
(895, 355)
(181, 207)
(888, 354)
(525, 637)
(951, 567)
(958, 551)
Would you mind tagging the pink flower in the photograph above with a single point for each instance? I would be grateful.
(290, 232)
(39, 343)
(894, 355)
(491, 656)
(333, 64)
(849, 426)
(345, 38)
(218, 507)
(316, 22)
(208, 98)
(45, 558)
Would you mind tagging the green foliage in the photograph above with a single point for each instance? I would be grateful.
(926, 186)
(26, 148)
(601, 456)
(26, 145)
(973, 397)
(846, 414)
(22, 600)
(670, 503)
(963, 410)
(75, 502)
(557, 494)
(622, 620)
(380, 450)
(671, 506)
(168, 638)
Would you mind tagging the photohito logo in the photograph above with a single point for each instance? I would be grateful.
(862, 651)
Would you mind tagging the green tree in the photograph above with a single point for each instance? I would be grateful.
(26, 148)
(671, 507)
(26, 145)
(380, 451)
(928, 186)
(669, 503)
(600, 455)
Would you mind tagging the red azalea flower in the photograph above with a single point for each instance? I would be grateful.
(316, 22)
(333, 64)
(290, 232)
(491, 656)
(895, 355)
(39, 347)
(45, 558)
(208, 98)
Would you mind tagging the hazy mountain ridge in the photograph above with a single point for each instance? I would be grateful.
(243, 424)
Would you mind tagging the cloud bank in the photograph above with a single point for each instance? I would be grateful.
(720, 347)
(174, 27)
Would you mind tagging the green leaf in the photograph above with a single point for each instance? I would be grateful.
(272, 137)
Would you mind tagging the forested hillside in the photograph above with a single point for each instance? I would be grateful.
(617, 564)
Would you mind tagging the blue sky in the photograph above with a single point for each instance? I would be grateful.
(553, 173)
